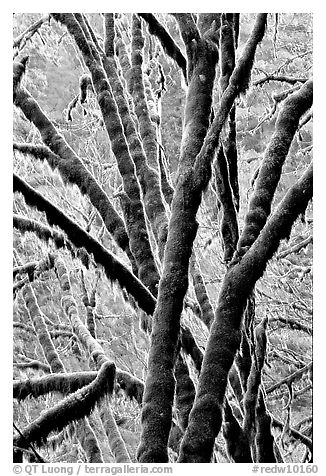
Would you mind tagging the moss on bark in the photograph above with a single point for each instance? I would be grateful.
(114, 269)
(73, 408)
(205, 418)
(135, 219)
(170, 47)
(160, 383)
(271, 168)
(70, 166)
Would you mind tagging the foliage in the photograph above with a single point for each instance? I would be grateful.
(162, 237)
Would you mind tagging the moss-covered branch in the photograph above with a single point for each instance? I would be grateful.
(160, 383)
(70, 382)
(143, 153)
(133, 207)
(146, 126)
(109, 34)
(72, 408)
(205, 418)
(64, 383)
(191, 37)
(117, 445)
(131, 385)
(238, 83)
(253, 384)
(291, 378)
(45, 233)
(170, 47)
(70, 307)
(114, 269)
(70, 166)
(20, 41)
(271, 168)
(32, 270)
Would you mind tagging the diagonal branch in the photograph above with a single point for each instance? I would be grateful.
(205, 418)
(114, 269)
(170, 47)
(72, 408)
(132, 204)
(70, 166)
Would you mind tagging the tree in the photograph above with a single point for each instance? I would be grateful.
(101, 188)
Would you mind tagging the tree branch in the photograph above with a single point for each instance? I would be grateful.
(205, 418)
(114, 269)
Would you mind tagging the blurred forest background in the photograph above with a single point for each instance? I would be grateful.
(60, 289)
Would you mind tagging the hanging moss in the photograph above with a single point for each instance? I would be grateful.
(72, 408)
(271, 168)
(135, 219)
(237, 445)
(70, 166)
(144, 158)
(41, 330)
(224, 339)
(35, 268)
(45, 233)
(170, 47)
(146, 127)
(131, 385)
(114, 269)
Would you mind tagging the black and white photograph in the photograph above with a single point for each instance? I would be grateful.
(162, 241)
